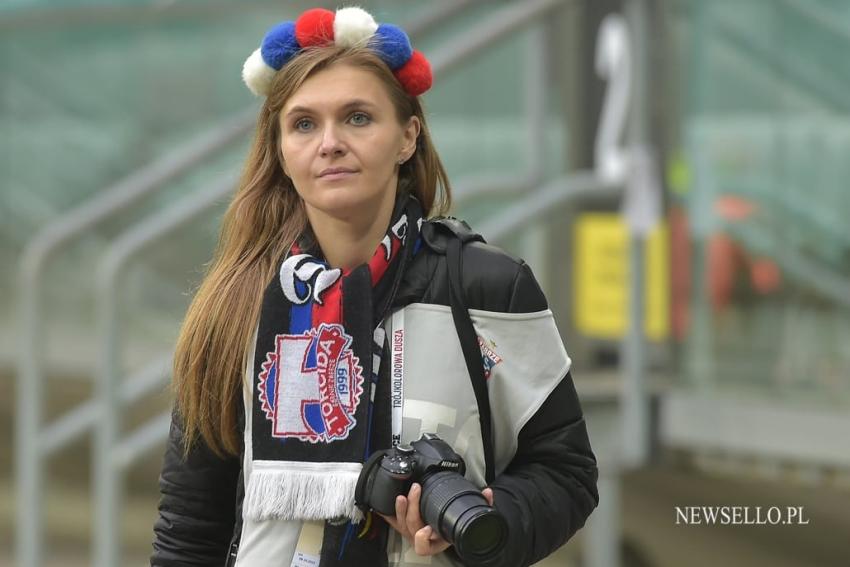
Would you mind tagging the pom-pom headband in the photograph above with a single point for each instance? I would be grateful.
(347, 27)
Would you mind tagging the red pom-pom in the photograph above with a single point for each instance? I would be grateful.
(315, 27)
(415, 75)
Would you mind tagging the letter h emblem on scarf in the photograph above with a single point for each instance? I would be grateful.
(315, 382)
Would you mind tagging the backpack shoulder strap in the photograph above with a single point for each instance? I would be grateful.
(439, 231)
(466, 331)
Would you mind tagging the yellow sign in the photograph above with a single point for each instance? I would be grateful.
(601, 277)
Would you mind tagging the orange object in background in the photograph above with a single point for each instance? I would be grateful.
(727, 259)
(733, 208)
(680, 272)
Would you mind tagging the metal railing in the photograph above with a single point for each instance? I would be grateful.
(34, 442)
(113, 454)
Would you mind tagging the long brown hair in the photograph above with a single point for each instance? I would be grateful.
(264, 218)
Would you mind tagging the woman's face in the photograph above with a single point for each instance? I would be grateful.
(341, 142)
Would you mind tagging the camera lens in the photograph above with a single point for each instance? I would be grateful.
(458, 510)
(481, 533)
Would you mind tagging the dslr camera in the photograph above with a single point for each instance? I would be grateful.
(449, 503)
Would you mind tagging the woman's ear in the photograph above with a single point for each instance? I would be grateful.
(411, 134)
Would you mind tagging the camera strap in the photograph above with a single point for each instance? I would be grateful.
(471, 350)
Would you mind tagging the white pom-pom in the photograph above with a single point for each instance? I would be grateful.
(257, 74)
(353, 26)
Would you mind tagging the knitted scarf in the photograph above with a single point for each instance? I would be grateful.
(321, 398)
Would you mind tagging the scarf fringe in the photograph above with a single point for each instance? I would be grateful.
(302, 491)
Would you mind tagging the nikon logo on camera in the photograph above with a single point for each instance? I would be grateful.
(449, 464)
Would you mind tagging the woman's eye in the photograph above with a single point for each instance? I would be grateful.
(303, 125)
(359, 118)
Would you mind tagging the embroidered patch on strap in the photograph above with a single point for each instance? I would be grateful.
(488, 356)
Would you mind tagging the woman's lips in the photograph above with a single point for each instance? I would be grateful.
(333, 176)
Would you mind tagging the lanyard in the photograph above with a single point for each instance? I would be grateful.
(397, 374)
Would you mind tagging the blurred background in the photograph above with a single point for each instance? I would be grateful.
(692, 154)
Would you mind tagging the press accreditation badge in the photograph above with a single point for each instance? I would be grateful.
(308, 550)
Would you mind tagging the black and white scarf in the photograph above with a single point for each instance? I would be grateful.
(320, 397)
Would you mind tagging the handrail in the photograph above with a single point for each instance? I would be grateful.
(813, 12)
(109, 271)
(557, 192)
(821, 87)
(65, 16)
(501, 23)
(33, 263)
(144, 439)
(78, 421)
(55, 16)
(801, 266)
(438, 14)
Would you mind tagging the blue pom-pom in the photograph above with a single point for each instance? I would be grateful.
(280, 45)
(392, 45)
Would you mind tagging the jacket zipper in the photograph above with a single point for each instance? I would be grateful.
(231, 555)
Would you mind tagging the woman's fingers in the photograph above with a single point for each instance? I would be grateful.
(488, 494)
(408, 522)
(402, 509)
(413, 519)
(428, 542)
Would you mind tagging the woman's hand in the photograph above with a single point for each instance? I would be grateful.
(408, 522)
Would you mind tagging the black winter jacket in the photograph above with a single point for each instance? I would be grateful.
(546, 493)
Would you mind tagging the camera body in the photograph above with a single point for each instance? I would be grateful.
(394, 471)
(449, 503)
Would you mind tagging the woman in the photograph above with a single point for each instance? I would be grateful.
(322, 333)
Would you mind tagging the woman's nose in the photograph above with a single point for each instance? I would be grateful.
(331, 144)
